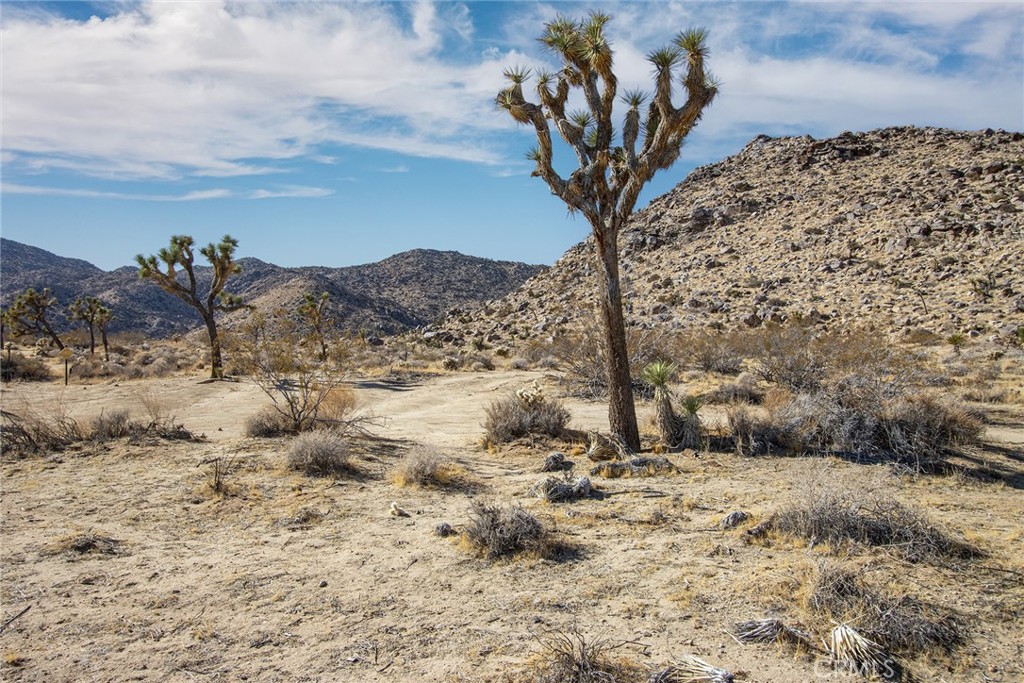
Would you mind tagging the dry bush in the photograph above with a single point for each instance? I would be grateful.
(268, 423)
(425, 468)
(788, 356)
(721, 352)
(861, 418)
(838, 517)
(31, 429)
(15, 367)
(743, 390)
(321, 453)
(513, 417)
(82, 544)
(114, 424)
(570, 657)
(902, 624)
(496, 531)
(582, 357)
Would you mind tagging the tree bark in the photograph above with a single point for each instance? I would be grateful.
(621, 409)
(106, 347)
(92, 340)
(216, 362)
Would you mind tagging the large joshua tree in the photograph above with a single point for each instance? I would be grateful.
(612, 169)
(222, 258)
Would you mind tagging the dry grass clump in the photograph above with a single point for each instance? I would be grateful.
(721, 353)
(114, 424)
(322, 453)
(15, 367)
(902, 624)
(771, 631)
(497, 531)
(32, 429)
(268, 423)
(743, 390)
(425, 468)
(570, 657)
(91, 542)
(523, 413)
(837, 518)
(562, 490)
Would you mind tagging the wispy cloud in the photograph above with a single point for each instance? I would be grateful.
(193, 196)
(401, 168)
(294, 191)
(167, 90)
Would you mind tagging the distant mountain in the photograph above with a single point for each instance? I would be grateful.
(401, 292)
(903, 229)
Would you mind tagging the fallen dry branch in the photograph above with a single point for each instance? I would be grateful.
(565, 490)
(770, 631)
(691, 669)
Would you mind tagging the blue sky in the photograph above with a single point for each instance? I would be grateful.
(338, 133)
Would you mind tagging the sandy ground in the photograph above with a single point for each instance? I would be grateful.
(291, 578)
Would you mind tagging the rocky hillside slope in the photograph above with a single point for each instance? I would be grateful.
(400, 292)
(902, 228)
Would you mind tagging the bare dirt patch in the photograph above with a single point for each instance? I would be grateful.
(285, 577)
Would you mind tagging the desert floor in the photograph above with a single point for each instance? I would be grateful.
(293, 578)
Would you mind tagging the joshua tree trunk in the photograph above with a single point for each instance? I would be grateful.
(92, 340)
(621, 409)
(106, 347)
(216, 360)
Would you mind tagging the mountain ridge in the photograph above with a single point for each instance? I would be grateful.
(400, 292)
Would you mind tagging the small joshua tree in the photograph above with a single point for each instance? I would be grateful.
(611, 171)
(93, 313)
(179, 254)
(313, 312)
(27, 314)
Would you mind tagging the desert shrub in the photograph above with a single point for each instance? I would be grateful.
(16, 367)
(570, 657)
(838, 518)
(29, 429)
(860, 417)
(520, 414)
(321, 453)
(113, 424)
(453, 363)
(496, 531)
(902, 624)
(268, 423)
(426, 468)
(787, 355)
(743, 389)
(519, 363)
(582, 357)
(719, 352)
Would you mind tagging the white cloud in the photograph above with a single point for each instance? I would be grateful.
(166, 90)
(197, 195)
(291, 191)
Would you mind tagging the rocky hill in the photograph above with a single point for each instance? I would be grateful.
(902, 228)
(400, 292)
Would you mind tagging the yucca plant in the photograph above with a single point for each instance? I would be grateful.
(658, 374)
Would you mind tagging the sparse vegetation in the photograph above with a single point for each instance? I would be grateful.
(569, 656)
(497, 531)
(426, 468)
(524, 413)
(15, 367)
(322, 454)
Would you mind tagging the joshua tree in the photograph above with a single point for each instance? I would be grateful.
(313, 313)
(27, 314)
(610, 176)
(222, 258)
(93, 313)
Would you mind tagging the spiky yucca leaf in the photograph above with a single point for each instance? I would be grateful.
(693, 42)
(659, 373)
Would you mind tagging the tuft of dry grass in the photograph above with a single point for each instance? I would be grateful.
(497, 531)
(268, 423)
(569, 656)
(637, 467)
(91, 542)
(322, 454)
(836, 518)
(426, 468)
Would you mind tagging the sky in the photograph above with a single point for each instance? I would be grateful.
(340, 133)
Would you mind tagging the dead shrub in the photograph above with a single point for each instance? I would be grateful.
(114, 424)
(425, 468)
(497, 531)
(514, 417)
(838, 518)
(570, 657)
(720, 353)
(743, 390)
(321, 453)
(91, 542)
(902, 623)
(268, 423)
(15, 367)
(33, 429)
(583, 359)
